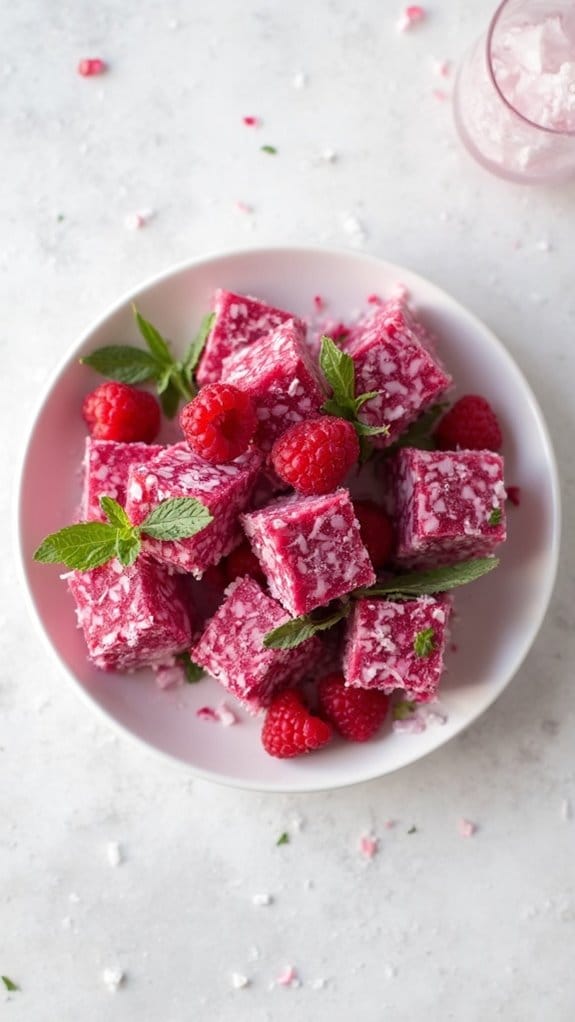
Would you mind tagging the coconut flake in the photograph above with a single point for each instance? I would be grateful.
(113, 979)
(262, 900)
(114, 853)
(239, 981)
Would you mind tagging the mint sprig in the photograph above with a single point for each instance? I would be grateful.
(192, 671)
(174, 378)
(300, 629)
(424, 642)
(88, 545)
(404, 710)
(339, 372)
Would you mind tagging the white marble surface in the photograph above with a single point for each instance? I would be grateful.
(435, 926)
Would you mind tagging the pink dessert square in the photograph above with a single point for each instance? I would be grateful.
(231, 648)
(240, 320)
(392, 354)
(106, 466)
(449, 505)
(381, 646)
(131, 617)
(280, 377)
(224, 489)
(310, 549)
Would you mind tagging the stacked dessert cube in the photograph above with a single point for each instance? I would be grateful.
(446, 507)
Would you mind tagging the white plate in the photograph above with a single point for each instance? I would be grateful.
(498, 617)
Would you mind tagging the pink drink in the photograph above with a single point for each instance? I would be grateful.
(515, 94)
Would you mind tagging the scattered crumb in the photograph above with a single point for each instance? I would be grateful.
(374, 300)
(466, 828)
(368, 846)
(206, 713)
(514, 495)
(319, 303)
(221, 715)
(170, 677)
(411, 725)
(389, 824)
(90, 66)
(114, 853)
(239, 981)
(283, 839)
(113, 979)
(440, 95)
(67, 922)
(74, 898)
(412, 829)
(135, 221)
(299, 80)
(410, 17)
(453, 647)
(243, 207)
(262, 900)
(308, 885)
(297, 821)
(566, 809)
(288, 977)
(251, 122)
(318, 984)
(442, 68)
(328, 156)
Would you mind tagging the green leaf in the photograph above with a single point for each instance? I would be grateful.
(179, 518)
(300, 629)
(164, 380)
(362, 429)
(271, 149)
(339, 371)
(84, 546)
(424, 642)
(193, 672)
(419, 434)
(283, 839)
(360, 401)
(343, 411)
(153, 338)
(412, 829)
(115, 513)
(10, 985)
(169, 400)
(403, 710)
(128, 547)
(194, 352)
(424, 583)
(495, 516)
(123, 363)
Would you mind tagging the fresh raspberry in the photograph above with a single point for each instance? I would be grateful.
(357, 713)
(376, 531)
(242, 561)
(315, 456)
(470, 425)
(116, 411)
(290, 730)
(219, 423)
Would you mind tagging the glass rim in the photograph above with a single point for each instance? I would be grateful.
(558, 132)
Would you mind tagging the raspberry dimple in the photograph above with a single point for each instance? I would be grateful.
(470, 425)
(356, 713)
(290, 730)
(315, 456)
(116, 411)
(376, 531)
(219, 423)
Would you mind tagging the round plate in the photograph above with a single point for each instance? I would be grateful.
(498, 617)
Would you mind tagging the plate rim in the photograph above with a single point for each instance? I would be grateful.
(257, 251)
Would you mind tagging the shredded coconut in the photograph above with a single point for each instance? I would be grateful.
(113, 979)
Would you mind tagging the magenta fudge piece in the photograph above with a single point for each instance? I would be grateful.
(279, 375)
(131, 617)
(231, 647)
(381, 647)
(392, 354)
(224, 489)
(449, 506)
(106, 466)
(310, 549)
(240, 320)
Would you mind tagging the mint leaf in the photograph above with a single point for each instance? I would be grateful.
(438, 580)
(495, 516)
(424, 642)
(403, 710)
(170, 399)
(122, 363)
(300, 629)
(128, 547)
(179, 518)
(283, 839)
(83, 547)
(360, 401)
(333, 407)
(115, 513)
(339, 371)
(192, 671)
(10, 985)
(271, 149)
(362, 429)
(194, 352)
(156, 343)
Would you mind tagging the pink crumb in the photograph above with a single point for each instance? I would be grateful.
(410, 726)
(206, 713)
(288, 977)
(221, 715)
(243, 207)
(442, 68)
(319, 303)
(170, 677)
(251, 122)
(412, 15)
(90, 66)
(135, 221)
(454, 647)
(389, 824)
(514, 495)
(368, 846)
(466, 828)
(440, 95)
(374, 300)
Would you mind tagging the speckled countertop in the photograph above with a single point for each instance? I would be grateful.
(435, 926)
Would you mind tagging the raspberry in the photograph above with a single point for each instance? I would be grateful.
(470, 425)
(357, 713)
(315, 456)
(116, 411)
(242, 561)
(376, 531)
(219, 423)
(290, 730)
